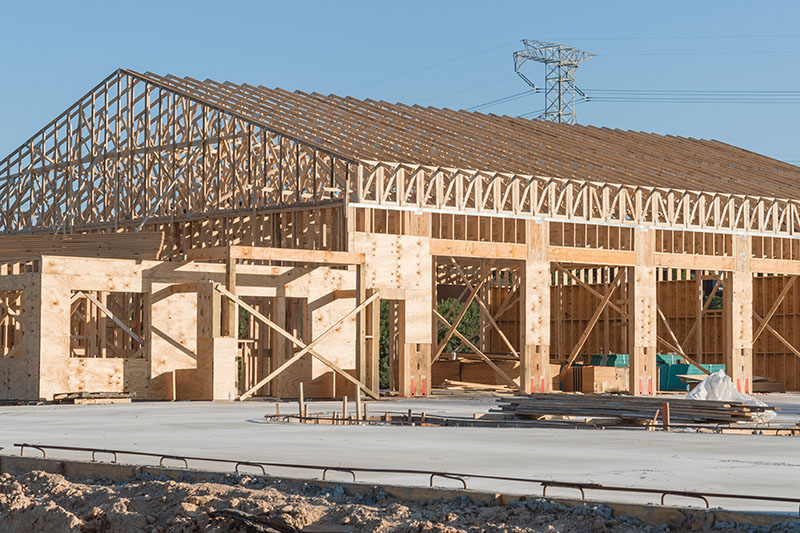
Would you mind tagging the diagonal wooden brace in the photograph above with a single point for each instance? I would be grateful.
(486, 310)
(304, 348)
(112, 316)
(484, 277)
(677, 345)
(585, 335)
(485, 357)
(778, 301)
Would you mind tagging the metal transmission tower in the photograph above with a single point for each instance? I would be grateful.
(560, 63)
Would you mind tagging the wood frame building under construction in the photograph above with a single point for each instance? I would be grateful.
(138, 223)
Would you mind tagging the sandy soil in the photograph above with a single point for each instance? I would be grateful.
(46, 502)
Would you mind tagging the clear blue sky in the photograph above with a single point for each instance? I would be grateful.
(454, 54)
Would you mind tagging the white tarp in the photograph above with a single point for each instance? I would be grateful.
(719, 387)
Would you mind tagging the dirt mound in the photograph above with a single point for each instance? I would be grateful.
(47, 502)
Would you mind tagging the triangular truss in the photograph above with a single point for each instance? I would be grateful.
(134, 150)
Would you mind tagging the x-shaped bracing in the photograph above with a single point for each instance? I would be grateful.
(304, 348)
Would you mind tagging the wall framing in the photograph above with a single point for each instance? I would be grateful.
(201, 198)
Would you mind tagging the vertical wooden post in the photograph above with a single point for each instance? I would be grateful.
(231, 310)
(374, 349)
(101, 324)
(358, 404)
(643, 314)
(665, 415)
(344, 409)
(361, 330)
(300, 400)
(216, 354)
(535, 311)
(279, 343)
(737, 291)
(699, 310)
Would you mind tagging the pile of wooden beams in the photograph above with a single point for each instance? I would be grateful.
(91, 398)
(452, 384)
(627, 408)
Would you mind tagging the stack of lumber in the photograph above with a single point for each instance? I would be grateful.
(626, 408)
(451, 384)
(91, 398)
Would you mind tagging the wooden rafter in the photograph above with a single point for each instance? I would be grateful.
(186, 146)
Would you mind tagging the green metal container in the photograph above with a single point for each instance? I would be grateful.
(670, 381)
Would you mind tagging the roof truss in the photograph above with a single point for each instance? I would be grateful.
(133, 150)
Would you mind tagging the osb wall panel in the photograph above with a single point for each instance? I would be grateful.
(395, 261)
(172, 338)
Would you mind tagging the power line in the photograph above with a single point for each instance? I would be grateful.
(681, 38)
(428, 67)
(698, 96)
(694, 99)
(693, 91)
(465, 89)
(721, 53)
(503, 100)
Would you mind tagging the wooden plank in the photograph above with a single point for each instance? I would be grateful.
(780, 337)
(484, 250)
(590, 256)
(484, 308)
(260, 253)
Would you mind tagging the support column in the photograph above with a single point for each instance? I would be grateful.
(216, 354)
(362, 364)
(231, 311)
(415, 329)
(373, 327)
(643, 310)
(535, 311)
(737, 293)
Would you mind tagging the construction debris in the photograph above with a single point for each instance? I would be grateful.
(50, 502)
(92, 398)
(630, 410)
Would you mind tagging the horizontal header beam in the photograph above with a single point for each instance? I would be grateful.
(260, 253)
